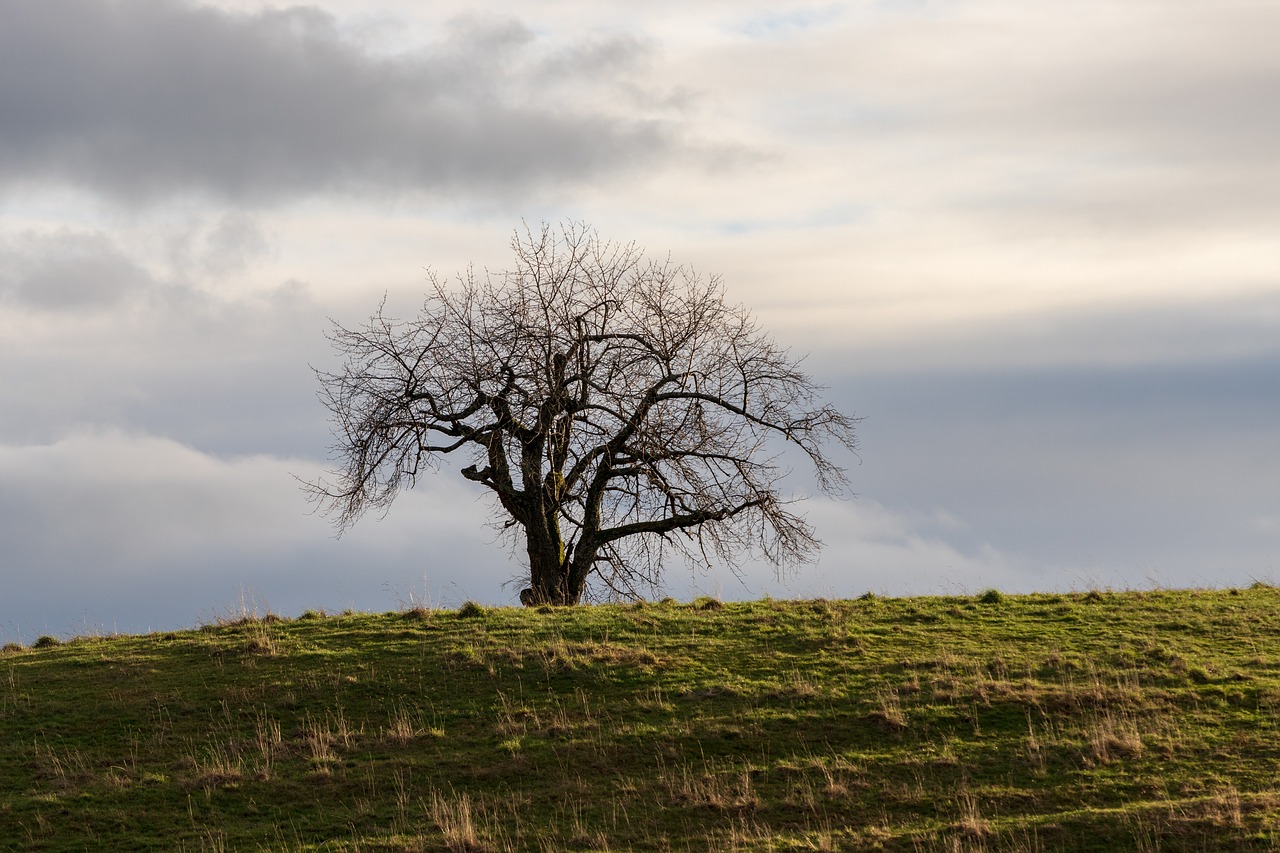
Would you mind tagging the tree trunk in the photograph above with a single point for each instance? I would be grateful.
(549, 576)
(578, 567)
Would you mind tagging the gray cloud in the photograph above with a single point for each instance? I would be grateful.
(141, 100)
(67, 271)
(234, 243)
(1126, 334)
(1107, 468)
(94, 336)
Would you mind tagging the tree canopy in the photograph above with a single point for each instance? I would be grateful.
(618, 409)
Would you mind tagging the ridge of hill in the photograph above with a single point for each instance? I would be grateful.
(1084, 721)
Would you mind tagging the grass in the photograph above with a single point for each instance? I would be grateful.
(1140, 720)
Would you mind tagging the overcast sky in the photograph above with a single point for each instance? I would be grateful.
(1035, 245)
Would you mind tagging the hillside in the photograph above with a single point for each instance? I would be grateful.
(1098, 721)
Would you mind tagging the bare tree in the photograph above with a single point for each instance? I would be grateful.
(616, 407)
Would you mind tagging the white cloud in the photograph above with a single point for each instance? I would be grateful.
(107, 525)
(138, 502)
(871, 548)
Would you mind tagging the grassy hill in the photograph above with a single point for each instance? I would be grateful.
(1098, 721)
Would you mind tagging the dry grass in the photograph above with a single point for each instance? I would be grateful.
(452, 816)
(1028, 723)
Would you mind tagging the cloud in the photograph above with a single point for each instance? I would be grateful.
(93, 335)
(776, 23)
(232, 245)
(1101, 469)
(141, 100)
(1031, 246)
(1135, 123)
(143, 530)
(139, 501)
(67, 271)
(1177, 332)
(1113, 124)
(868, 546)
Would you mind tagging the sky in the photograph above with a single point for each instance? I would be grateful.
(1034, 245)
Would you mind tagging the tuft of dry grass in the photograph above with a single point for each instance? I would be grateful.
(971, 824)
(725, 788)
(452, 816)
(1113, 736)
(889, 713)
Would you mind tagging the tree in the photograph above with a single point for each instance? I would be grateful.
(616, 407)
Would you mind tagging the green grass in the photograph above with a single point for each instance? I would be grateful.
(1099, 721)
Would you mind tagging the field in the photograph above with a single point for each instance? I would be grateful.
(1090, 721)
